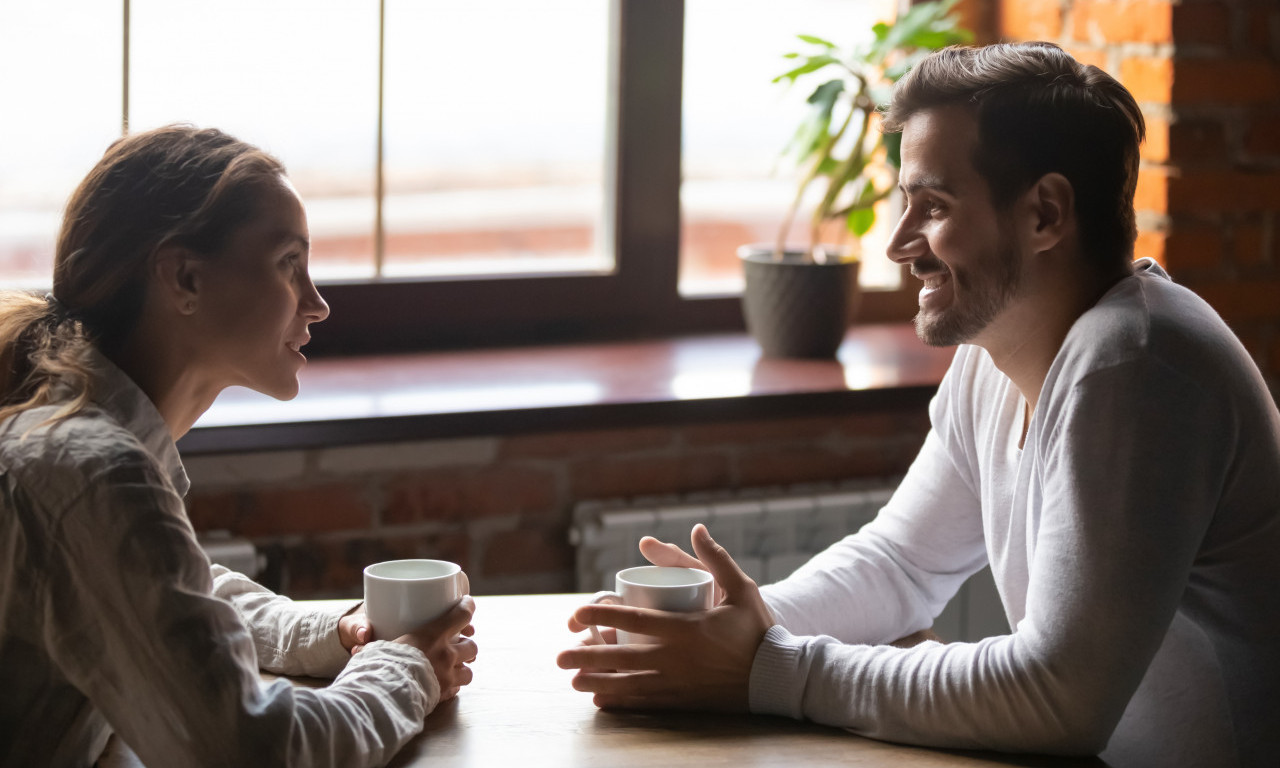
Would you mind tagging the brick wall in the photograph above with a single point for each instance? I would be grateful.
(1207, 74)
(502, 506)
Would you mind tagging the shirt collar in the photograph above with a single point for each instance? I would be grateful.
(120, 397)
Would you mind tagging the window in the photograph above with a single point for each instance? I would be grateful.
(475, 173)
(736, 185)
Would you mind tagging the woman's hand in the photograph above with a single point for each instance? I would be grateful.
(445, 641)
(353, 629)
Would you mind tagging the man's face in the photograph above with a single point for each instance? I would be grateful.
(951, 235)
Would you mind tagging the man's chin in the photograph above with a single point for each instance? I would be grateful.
(935, 331)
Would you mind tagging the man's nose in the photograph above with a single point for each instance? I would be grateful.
(907, 242)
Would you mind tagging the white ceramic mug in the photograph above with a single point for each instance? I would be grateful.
(402, 595)
(660, 587)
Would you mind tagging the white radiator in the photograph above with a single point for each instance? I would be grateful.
(770, 532)
(232, 553)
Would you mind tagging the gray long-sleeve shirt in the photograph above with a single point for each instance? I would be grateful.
(111, 618)
(1134, 538)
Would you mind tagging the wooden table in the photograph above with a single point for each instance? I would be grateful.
(521, 712)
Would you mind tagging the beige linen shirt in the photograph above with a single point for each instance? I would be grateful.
(112, 619)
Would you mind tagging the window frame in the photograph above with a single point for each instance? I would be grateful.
(640, 298)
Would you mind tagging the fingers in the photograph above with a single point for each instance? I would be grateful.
(722, 566)
(644, 621)
(466, 650)
(663, 553)
(456, 619)
(609, 657)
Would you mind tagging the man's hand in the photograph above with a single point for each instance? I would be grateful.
(446, 642)
(704, 658)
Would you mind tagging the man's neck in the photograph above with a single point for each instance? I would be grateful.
(1024, 339)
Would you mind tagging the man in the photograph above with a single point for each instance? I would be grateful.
(1101, 439)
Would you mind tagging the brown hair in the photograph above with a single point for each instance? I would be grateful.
(1040, 111)
(172, 185)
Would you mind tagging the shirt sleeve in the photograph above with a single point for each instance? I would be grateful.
(896, 575)
(288, 639)
(1128, 498)
(130, 618)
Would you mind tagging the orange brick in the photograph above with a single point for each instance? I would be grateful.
(1123, 21)
(607, 478)
(1151, 194)
(281, 511)
(1262, 135)
(1192, 141)
(1031, 20)
(1226, 81)
(1150, 245)
(975, 16)
(1198, 191)
(215, 511)
(1193, 247)
(812, 464)
(527, 551)
(1272, 368)
(1261, 36)
(1156, 148)
(454, 494)
(1250, 247)
(1241, 302)
(1148, 79)
(1201, 24)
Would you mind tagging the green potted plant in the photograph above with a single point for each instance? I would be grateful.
(798, 301)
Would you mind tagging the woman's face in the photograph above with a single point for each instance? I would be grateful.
(257, 300)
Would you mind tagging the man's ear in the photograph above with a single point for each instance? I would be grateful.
(1051, 211)
(178, 273)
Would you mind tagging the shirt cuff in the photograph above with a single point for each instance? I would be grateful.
(776, 685)
(322, 650)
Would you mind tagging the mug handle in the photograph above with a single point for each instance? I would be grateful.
(608, 598)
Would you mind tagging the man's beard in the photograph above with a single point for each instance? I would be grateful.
(971, 312)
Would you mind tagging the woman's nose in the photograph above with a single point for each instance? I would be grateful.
(314, 307)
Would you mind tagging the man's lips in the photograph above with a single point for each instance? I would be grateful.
(934, 284)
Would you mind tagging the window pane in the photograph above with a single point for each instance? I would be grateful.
(495, 129)
(737, 186)
(60, 75)
(298, 78)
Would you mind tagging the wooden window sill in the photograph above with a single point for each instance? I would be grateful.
(494, 392)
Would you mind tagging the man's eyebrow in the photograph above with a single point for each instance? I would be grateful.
(925, 182)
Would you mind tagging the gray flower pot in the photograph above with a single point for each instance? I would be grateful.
(794, 307)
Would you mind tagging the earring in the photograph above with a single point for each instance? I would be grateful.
(189, 307)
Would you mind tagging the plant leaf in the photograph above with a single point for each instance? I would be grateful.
(861, 220)
(862, 215)
(813, 64)
(817, 41)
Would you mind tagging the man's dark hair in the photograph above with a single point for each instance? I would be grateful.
(1040, 111)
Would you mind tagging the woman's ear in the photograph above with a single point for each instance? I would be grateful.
(179, 277)
(1052, 209)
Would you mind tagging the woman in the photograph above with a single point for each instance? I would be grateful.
(181, 269)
